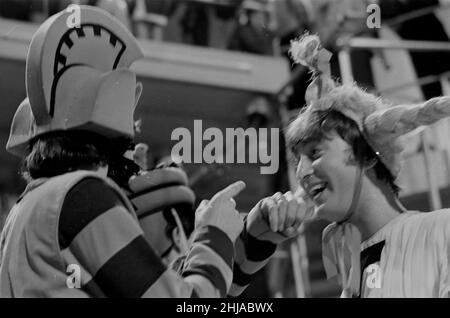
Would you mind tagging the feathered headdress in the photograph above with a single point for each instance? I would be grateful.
(380, 123)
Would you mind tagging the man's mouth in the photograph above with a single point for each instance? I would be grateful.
(317, 189)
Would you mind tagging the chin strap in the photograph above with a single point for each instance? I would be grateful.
(341, 247)
(184, 245)
(355, 199)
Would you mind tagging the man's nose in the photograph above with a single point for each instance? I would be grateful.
(304, 168)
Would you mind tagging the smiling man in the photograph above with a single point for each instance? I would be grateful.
(349, 156)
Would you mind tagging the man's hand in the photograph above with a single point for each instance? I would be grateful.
(278, 217)
(221, 211)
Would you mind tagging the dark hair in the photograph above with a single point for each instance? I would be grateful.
(60, 152)
(321, 123)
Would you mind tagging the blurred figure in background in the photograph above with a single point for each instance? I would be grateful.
(165, 208)
(253, 33)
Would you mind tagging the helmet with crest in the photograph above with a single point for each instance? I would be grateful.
(78, 78)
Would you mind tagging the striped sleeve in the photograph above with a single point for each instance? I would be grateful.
(251, 255)
(211, 256)
(97, 233)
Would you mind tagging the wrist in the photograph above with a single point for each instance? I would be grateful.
(255, 223)
(257, 247)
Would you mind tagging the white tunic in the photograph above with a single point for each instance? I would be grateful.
(414, 259)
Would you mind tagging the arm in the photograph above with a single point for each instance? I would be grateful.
(273, 220)
(98, 233)
(251, 255)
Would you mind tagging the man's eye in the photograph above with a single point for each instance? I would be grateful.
(315, 154)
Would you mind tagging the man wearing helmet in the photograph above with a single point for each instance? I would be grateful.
(72, 131)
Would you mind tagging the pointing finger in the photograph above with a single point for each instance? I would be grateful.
(229, 192)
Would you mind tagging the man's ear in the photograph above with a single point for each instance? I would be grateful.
(138, 93)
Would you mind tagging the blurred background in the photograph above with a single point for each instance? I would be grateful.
(225, 62)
